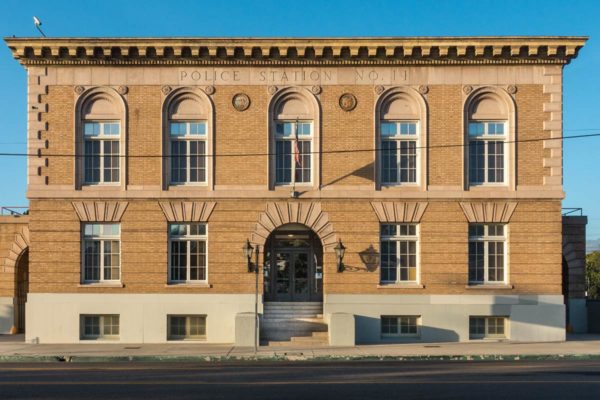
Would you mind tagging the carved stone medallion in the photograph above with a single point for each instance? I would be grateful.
(379, 89)
(512, 89)
(272, 89)
(348, 102)
(316, 89)
(423, 89)
(241, 102)
(467, 89)
(79, 89)
(166, 90)
(209, 90)
(122, 89)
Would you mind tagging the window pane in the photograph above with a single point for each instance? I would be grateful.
(476, 261)
(388, 129)
(389, 162)
(476, 128)
(178, 161)
(283, 161)
(477, 161)
(388, 261)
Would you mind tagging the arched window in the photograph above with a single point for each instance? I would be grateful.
(489, 131)
(100, 137)
(187, 138)
(401, 136)
(294, 138)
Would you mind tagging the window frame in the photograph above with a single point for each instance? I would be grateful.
(187, 138)
(486, 239)
(102, 238)
(399, 333)
(101, 326)
(304, 138)
(397, 239)
(102, 138)
(187, 238)
(486, 138)
(399, 138)
(187, 336)
(486, 335)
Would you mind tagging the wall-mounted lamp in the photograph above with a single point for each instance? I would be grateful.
(248, 250)
(340, 249)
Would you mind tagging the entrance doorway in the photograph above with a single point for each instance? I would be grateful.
(21, 290)
(293, 265)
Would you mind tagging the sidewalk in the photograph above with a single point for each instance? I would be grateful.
(577, 346)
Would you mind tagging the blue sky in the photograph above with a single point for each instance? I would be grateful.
(319, 18)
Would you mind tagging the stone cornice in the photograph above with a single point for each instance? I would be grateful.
(297, 51)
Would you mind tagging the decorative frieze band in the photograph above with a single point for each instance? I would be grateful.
(187, 211)
(399, 211)
(488, 211)
(308, 214)
(100, 211)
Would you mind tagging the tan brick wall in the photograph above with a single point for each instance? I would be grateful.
(534, 246)
(9, 228)
(60, 135)
(246, 132)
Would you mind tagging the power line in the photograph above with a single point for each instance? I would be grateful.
(428, 147)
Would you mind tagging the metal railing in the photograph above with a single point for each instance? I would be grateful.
(574, 212)
(14, 210)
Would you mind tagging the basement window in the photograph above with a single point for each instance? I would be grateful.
(99, 327)
(186, 327)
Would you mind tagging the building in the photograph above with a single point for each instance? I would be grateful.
(434, 162)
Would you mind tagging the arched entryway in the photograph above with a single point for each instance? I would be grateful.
(293, 265)
(21, 290)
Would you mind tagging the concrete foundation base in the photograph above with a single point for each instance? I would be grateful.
(244, 329)
(7, 315)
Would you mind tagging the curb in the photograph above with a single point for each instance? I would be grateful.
(285, 357)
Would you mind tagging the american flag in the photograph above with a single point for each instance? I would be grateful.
(297, 148)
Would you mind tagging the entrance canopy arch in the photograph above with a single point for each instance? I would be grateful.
(307, 214)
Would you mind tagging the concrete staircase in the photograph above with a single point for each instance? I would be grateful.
(293, 324)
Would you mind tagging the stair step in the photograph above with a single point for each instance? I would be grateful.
(292, 343)
(321, 335)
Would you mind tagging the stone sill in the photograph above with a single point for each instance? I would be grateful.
(401, 286)
(101, 285)
(490, 287)
(188, 285)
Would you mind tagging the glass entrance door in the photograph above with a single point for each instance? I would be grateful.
(293, 267)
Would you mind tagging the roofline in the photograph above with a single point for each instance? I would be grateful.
(292, 51)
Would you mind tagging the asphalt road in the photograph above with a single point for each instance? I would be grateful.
(303, 380)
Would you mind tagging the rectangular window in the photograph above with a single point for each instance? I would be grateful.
(487, 327)
(399, 248)
(487, 253)
(293, 152)
(487, 159)
(101, 253)
(187, 253)
(188, 141)
(186, 327)
(101, 152)
(95, 327)
(399, 152)
(400, 326)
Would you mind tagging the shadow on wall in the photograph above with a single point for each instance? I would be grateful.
(365, 172)
(371, 328)
(529, 320)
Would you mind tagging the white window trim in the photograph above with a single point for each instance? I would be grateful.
(486, 239)
(187, 338)
(399, 334)
(187, 238)
(485, 335)
(101, 239)
(291, 139)
(400, 138)
(396, 239)
(101, 336)
(486, 138)
(188, 138)
(101, 138)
